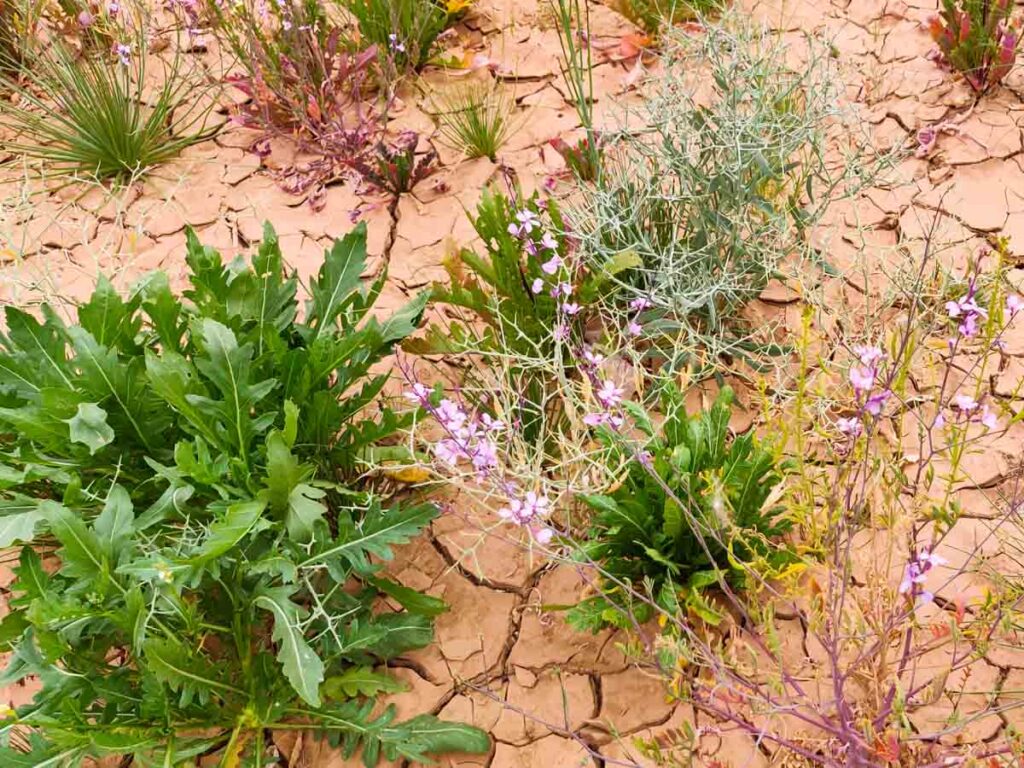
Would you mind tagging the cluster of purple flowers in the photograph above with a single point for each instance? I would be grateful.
(607, 392)
(864, 376)
(967, 312)
(546, 247)
(637, 305)
(527, 511)
(467, 438)
(472, 439)
(914, 575)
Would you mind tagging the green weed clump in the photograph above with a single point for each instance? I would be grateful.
(655, 16)
(404, 31)
(92, 115)
(198, 564)
(719, 187)
(977, 38)
(693, 512)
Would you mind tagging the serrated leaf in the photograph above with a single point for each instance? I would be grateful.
(188, 674)
(228, 366)
(428, 735)
(12, 627)
(43, 344)
(411, 599)
(115, 523)
(89, 427)
(229, 530)
(376, 533)
(385, 636)
(105, 314)
(81, 554)
(337, 280)
(176, 380)
(33, 582)
(42, 755)
(360, 681)
(301, 665)
(287, 494)
(405, 320)
(119, 386)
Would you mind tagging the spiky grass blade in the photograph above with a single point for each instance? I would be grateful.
(92, 116)
(475, 117)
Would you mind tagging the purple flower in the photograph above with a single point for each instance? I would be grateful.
(449, 451)
(634, 328)
(862, 379)
(528, 221)
(484, 455)
(876, 402)
(868, 355)
(570, 308)
(639, 304)
(420, 394)
(551, 265)
(914, 574)
(989, 418)
(1014, 304)
(525, 510)
(593, 358)
(114, 8)
(549, 242)
(851, 426)
(124, 53)
(491, 424)
(85, 19)
(538, 285)
(542, 535)
(969, 313)
(965, 403)
(603, 417)
(561, 332)
(394, 44)
(609, 394)
(451, 415)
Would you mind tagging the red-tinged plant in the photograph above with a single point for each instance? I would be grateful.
(977, 38)
(395, 168)
(306, 80)
(582, 159)
(307, 84)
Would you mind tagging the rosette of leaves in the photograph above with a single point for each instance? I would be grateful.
(695, 510)
(198, 568)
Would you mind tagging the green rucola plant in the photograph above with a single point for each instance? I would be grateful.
(197, 568)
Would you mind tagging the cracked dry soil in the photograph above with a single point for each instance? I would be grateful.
(550, 697)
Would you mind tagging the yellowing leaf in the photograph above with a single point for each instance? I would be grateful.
(409, 475)
(457, 6)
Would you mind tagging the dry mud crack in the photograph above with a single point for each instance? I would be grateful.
(550, 697)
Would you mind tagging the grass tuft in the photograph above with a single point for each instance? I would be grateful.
(94, 116)
(475, 117)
